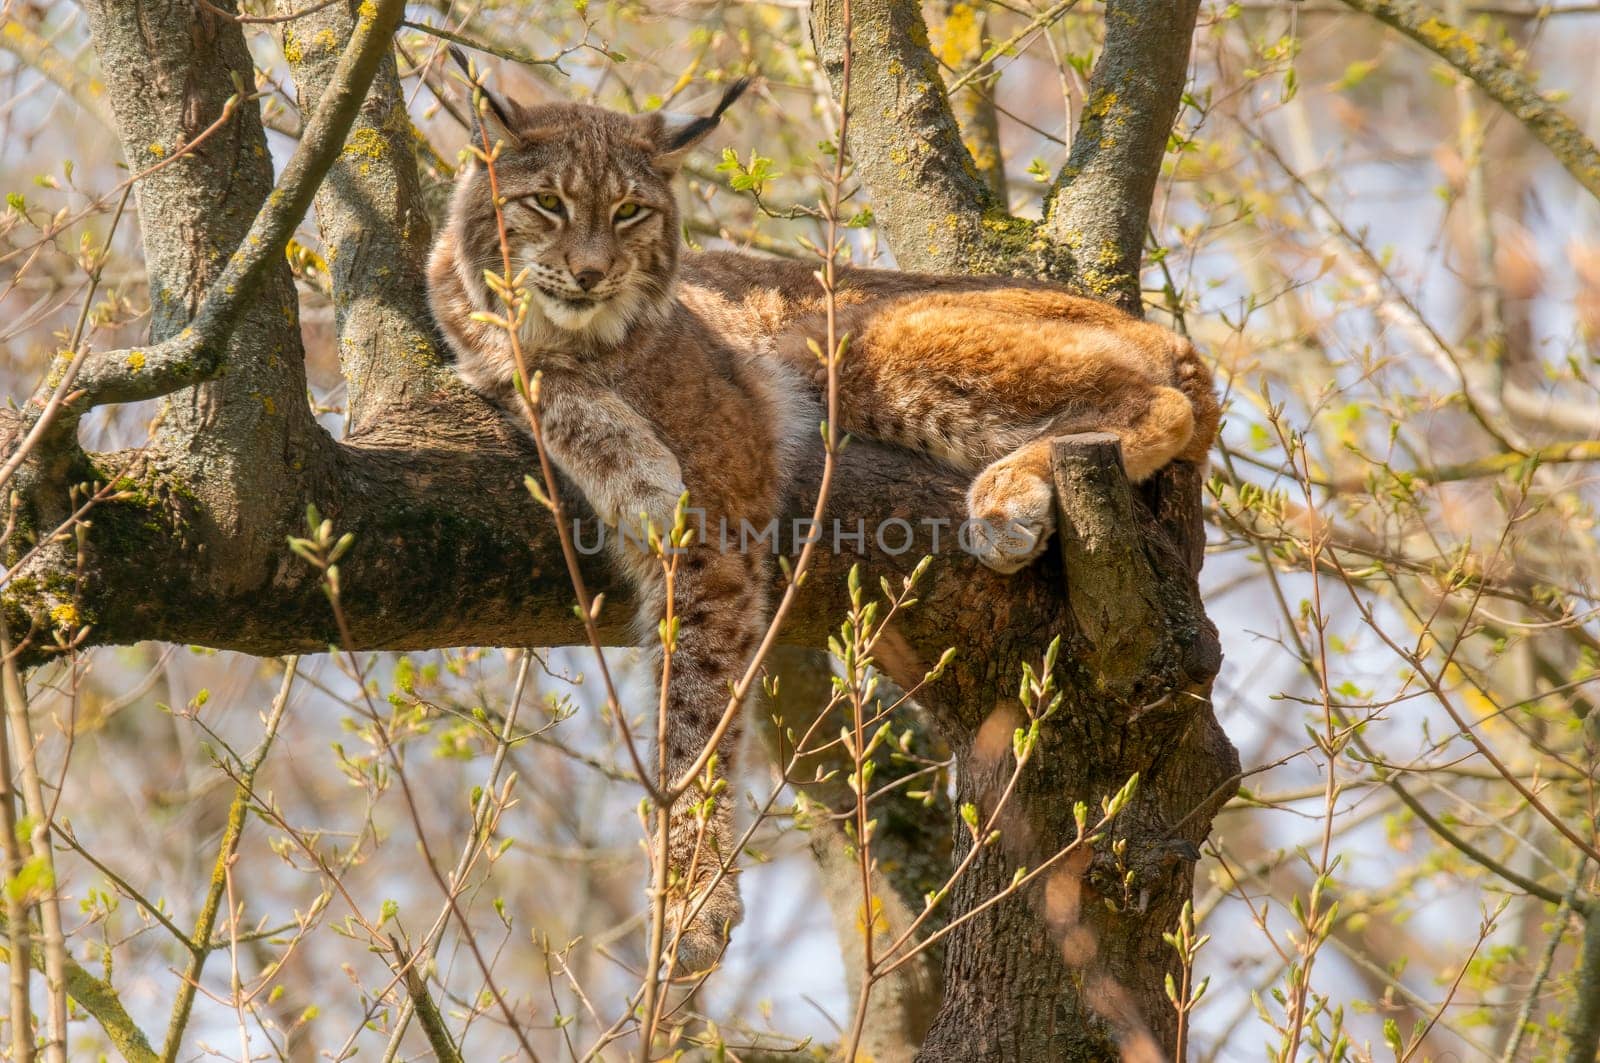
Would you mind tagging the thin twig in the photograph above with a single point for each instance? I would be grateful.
(25, 759)
(199, 942)
(17, 928)
(264, 20)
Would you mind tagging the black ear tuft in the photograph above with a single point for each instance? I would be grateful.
(496, 106)
(692, 131)
(730, 96)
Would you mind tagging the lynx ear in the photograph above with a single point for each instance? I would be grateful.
(495, 115)
(677, 133)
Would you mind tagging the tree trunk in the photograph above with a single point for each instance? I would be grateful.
(1075, 969)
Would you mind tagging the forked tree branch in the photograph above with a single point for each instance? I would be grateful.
(931, 201)
(1141, 652)
(197, 352)
(450, 550)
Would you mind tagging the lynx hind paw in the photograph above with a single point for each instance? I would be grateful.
(703, 941)
(1013, 515)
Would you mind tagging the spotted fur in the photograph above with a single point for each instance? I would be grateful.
(661, 376)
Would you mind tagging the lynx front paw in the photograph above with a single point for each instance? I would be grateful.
(702, 942)
(656, 508)
(1013, 515)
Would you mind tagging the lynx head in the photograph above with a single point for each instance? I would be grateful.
(589, 213)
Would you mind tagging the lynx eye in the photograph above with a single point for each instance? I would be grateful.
(629, 211)
(550, 201)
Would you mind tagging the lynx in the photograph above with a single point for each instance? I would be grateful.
(664, 372)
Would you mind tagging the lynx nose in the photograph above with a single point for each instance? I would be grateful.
(588, 278)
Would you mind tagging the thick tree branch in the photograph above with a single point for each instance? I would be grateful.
(450, 550)
(1082, 958)
(1483, 64)
(1107, 576)
(1099, 210)
(177, 74)
(1078, 973)
(237, 448)
(927, 194)
(374, 229)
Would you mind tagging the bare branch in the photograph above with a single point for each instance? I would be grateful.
(1482, 62)
(18, 930)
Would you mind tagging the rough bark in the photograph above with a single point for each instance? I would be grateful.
(168, 71)
(374, 228)
(928, 196)
(1074, 971)
(1099, 214)
(927, 193)
(449, 550)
